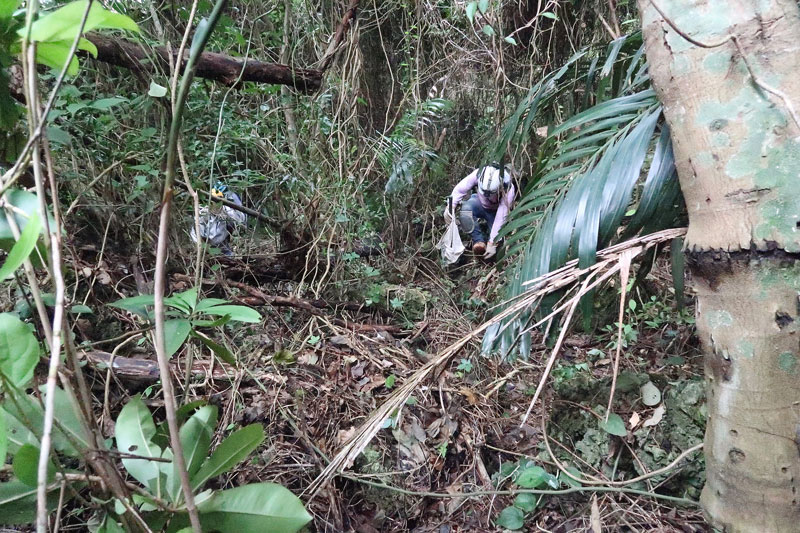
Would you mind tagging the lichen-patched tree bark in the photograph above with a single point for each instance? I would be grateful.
(738, 156)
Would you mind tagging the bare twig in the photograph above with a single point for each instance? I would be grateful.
(161, 273)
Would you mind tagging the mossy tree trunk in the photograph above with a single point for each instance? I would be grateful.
(738, 156)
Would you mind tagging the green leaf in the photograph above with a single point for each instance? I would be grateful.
(229, 453)
(389, 383)
(17, 503)
(26, 465)
(136, 304)
(107, 103)
(531, 477)
(614, 425)
(156, 90)
(19, 350)
(80, 308)
(239, 313)
(219, 350)
(511, 518)
(483, 5)
(195, 435)
(488, 30)
(472, 7)
(175, 333)
(255, 507)
(64, 23)
(134, 431)
(68, 431)
(209, 302)
(510, 40)
(55, 55)
(526, 502)
(550, 15)
(27, 203)
(23, 247)
(185, 301)
(17, 435)
(7, 8)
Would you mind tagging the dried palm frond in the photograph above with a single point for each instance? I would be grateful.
(607, 265)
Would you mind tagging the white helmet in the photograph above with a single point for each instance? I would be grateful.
(490, 183)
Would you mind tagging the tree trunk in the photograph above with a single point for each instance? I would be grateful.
(212, 66)
(738, 157)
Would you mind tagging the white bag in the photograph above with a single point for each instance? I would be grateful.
(451, 244)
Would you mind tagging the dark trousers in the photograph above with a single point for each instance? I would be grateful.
(472, 213)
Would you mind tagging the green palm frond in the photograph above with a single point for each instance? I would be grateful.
(589, 172)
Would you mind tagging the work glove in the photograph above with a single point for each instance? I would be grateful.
(491, 250)
(448, 216)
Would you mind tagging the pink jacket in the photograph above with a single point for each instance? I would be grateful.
(502, 207)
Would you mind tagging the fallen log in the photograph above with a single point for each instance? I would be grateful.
(211, 65)
(146, 370)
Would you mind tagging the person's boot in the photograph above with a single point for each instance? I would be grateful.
(479, 248)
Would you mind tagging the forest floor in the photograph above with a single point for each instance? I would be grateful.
(315, 370)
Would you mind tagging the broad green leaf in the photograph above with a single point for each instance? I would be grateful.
(195, 435)
(55, 54)
(526, 502)
(185, 301)
(219, 350)
(229, 453)
(64, 23)
(7, 7)
(488, 30)
(156, 90)
(510, 40)
(136, 304)
(254, 507)
(17, 503)
(472, 7)
(107, 103)
(511, 518)
(80, 308)
(483, 5)
(22, 248)
(26, 465)
(175, 333)
(209, 302)
(17, 435)
(58, 136)
(19, 350)
(134, 431)
(531, 477)
(238, 313)
(614, 425)
(27, 203)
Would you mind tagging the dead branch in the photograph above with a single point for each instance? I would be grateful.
(338, 37)
(146, 370)
(211, 66)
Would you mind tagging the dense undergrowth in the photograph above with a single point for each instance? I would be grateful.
(350, 297)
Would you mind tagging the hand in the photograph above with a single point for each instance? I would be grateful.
(491, 250)
(448, 216)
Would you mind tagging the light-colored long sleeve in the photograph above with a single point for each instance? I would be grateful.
(502, 213)
(464, 187)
